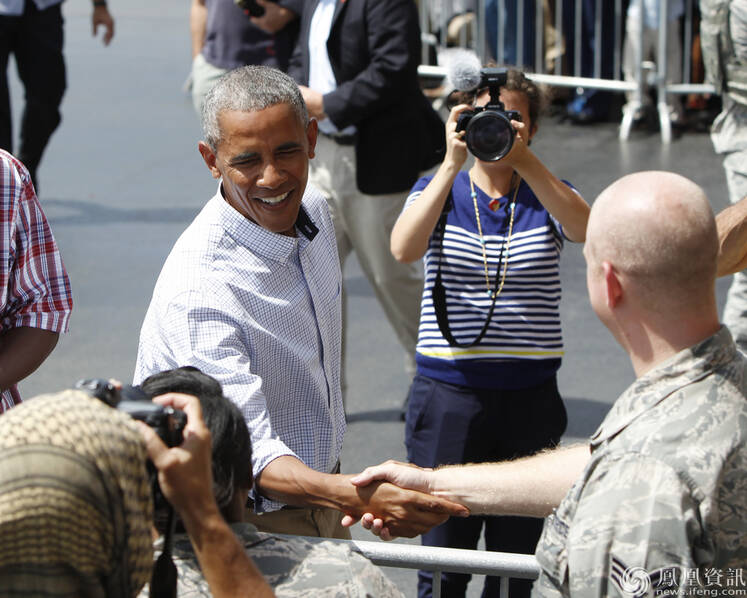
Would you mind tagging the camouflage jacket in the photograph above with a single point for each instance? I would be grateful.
(663, 500)
(294, 566)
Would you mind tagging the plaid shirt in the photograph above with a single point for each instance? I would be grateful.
(33, 282)
(261, 313)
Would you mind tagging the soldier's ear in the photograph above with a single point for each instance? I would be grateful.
(613, 288)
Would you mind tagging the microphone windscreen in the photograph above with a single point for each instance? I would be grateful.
(462, 68)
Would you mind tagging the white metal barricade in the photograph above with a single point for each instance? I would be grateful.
(436, 14)
(455, 560)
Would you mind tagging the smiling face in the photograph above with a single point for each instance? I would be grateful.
(263, 159)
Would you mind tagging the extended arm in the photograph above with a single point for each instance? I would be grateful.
(197, 25)
(732, 235)
(406, 512)
(415, 225)
(565, 204)
(185, 477)
(531, 486)
(22, 350)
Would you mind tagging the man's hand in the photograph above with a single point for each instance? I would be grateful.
(275, 18)
(390, 511)
(102, 17)
(314, 102)
(185, 471)
(404, 475)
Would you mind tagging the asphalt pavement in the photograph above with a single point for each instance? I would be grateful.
(122, 178)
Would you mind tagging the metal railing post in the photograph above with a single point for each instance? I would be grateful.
(665, 123)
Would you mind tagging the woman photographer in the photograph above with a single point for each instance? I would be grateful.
(489, 342)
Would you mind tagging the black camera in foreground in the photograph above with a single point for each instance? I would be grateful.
(167, 422)
(489, 133)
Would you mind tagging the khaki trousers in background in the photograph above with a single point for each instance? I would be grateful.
(363, 223)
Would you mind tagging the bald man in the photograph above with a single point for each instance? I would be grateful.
(659, 496)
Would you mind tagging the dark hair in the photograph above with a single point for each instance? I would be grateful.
(231, 444)
(536, 95)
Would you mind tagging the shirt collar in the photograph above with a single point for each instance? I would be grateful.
(686, 367)
(258, 239)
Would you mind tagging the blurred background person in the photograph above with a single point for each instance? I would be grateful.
(490, 342)
(32, 31)
(723, 36)
(225, 36)
(643, 20)
(356, 63)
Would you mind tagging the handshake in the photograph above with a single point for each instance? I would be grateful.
(403, 501)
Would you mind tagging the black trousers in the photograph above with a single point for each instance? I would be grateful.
(35, 39)
(450, 424)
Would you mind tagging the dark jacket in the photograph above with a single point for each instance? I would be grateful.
(374, 50)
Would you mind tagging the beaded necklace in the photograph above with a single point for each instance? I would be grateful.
(473, 194)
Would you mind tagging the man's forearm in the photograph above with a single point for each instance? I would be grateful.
(532, 486)
(731, 224)
(405, 512)
(22, 350)
(288, 480)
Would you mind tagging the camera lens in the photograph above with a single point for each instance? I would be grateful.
(490, 135)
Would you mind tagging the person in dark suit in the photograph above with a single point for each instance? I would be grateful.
(356, 62)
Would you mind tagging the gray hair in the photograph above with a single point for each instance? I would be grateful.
(249, 89)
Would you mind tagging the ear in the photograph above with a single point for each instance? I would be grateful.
(312, 131)
(613, 287)
(210, 159)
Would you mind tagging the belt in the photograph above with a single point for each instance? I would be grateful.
(348, 139)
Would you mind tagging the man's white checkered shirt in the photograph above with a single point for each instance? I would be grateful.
(260, 312)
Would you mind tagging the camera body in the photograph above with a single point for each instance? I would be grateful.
(167, 422)
(253, 9)
(489, 133)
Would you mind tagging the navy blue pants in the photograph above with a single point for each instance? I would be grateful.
(450, 424)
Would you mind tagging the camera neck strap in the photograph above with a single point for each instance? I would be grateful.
(164, 577)
(438, 292)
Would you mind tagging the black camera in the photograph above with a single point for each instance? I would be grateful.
(251, 7)
(489, 133)
(167, 422)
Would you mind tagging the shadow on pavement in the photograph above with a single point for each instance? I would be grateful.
(61, 212)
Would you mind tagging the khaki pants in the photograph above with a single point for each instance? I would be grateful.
(363, 223)
(321, 522)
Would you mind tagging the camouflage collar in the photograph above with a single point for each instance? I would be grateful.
(686, 367)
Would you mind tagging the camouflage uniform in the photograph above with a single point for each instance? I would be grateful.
(724, 42)
(294, 566)
(666, 485)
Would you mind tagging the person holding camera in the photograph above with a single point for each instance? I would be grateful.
(75, 500)
(293, 566)
(489, 343)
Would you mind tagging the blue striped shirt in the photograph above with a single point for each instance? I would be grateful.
(523, 345)
(261, 313)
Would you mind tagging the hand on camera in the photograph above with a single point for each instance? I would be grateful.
(184, 471)
(456, 147)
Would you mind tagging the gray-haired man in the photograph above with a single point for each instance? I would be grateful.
(250, 295)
